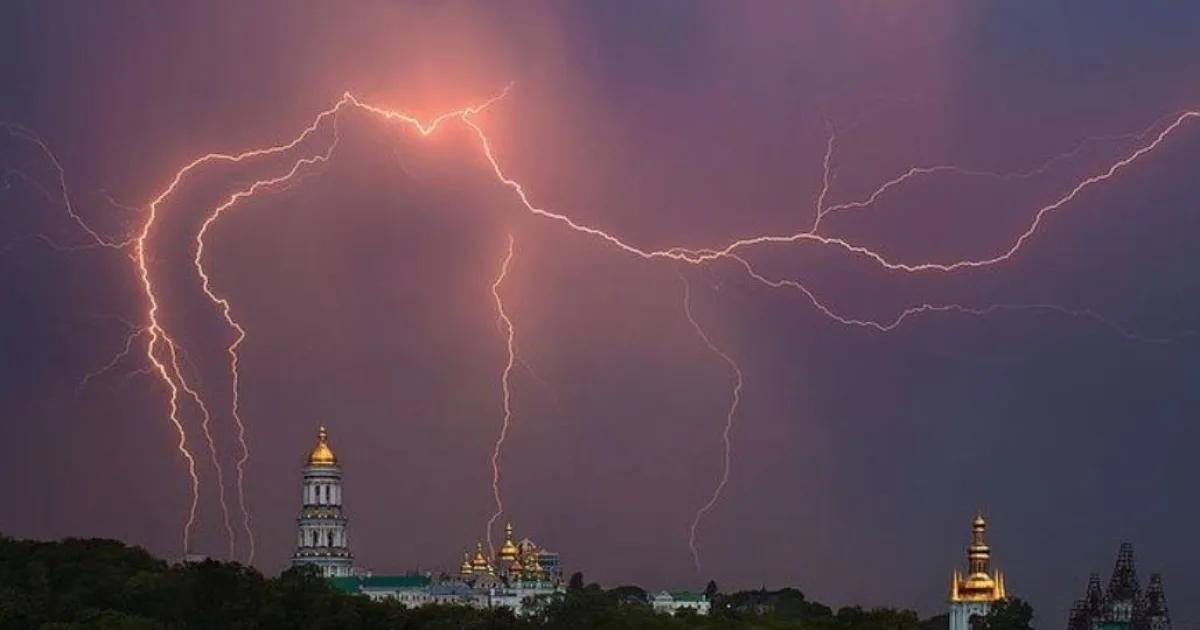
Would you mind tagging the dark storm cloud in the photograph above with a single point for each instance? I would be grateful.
(859, 456)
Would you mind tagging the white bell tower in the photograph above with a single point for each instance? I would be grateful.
(322, 539)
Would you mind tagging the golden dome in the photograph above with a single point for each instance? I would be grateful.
(978, 582)
(480, 562)
(509, 551)
(532, 565)
(979, 521)
(322, 455)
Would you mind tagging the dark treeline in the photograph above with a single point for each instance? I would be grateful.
(106, 585)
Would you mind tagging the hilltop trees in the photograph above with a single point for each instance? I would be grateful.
(1011, 614)
(106, 585)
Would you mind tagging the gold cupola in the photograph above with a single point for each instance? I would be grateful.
(464, 570)
(533, 568)
(322, 455)
(508, 552)
(980, 584)
(479, 563)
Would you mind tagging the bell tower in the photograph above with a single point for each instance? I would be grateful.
(973, 594)
(322, 539)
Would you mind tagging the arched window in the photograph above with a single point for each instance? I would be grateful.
(314, 539)
(330, 539)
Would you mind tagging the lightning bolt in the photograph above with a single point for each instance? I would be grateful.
(505, 387)
(298, 170)
(908, 313)
(112, 363)
(239, 331)
(163, 353)
(975, 263)
(96, 240)
(736, 396)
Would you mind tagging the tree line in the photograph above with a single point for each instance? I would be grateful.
(107, 585)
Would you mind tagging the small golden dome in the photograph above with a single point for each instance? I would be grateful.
(480, 562)
(322, 455)
(532, 565)
(979, 521)
(509, 551)
(465, 568)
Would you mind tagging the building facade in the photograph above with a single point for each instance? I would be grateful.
(323, 538)
(512, 578)
(673, 602)
(1122, 605)
(973, 594)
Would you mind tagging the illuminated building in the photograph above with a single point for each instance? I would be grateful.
(322, 539)
(1122, 606)
(513, 578)
(672, 602)
(518, 574)
(973, 594)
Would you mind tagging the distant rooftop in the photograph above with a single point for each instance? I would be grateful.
(354, 584)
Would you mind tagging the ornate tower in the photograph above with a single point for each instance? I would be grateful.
(1124, 594)
(972, 595)
(1157, 616)
(322, 537)
(1122, 606)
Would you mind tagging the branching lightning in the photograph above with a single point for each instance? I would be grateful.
(726, 440)
(117, 358)
(163, 353)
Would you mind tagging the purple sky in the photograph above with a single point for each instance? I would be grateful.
(859, 457)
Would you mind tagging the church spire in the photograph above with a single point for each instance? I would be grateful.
(978, 554)
(972, 594)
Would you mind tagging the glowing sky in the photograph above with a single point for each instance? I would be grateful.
(859, 456)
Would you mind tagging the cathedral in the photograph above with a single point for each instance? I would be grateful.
(973, 594)
(512, 576)
(1122, 605)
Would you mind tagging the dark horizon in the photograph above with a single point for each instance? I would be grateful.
(1054, 390)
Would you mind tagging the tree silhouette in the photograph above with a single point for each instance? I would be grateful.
(105, 585)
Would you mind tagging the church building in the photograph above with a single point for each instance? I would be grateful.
(973, 594)
(323, 539)
(1122, 605)
(514, 576)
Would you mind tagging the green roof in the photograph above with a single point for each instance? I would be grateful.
(348, 584)
(380, 582)
(686, 596)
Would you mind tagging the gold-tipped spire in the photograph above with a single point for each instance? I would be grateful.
(464, 570)
(979, 584)
(509, 551)
(322, 455)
